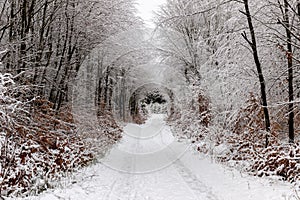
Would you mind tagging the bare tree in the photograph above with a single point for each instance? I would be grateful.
(253, 44)
(47, 40)
(290, 71)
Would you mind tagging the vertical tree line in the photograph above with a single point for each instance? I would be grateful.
(45, 41)
(212, 51)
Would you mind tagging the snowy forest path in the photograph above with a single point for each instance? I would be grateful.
(151, 169)
(149, 164)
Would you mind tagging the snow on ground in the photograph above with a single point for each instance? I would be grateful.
(149, 164)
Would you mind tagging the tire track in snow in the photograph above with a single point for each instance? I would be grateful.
(198, 187)
(128, 186)
(124, 187)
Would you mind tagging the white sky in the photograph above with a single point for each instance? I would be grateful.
(146, 8)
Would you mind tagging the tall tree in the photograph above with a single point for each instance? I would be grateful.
(290, 71)
(252, 42)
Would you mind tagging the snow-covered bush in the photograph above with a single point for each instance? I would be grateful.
(13, 114)
(194, 118)
(246, 146)
(10, 106)
(39, 145)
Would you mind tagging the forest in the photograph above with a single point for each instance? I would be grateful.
(73, 73)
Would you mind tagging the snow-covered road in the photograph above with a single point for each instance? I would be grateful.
(149, 164)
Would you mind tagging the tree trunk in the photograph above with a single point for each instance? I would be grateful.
(290, 72)
(259, 69)
(107, 85)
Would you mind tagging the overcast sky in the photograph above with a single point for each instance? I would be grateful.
(146, 8)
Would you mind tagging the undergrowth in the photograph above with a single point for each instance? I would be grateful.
(243, 145)
(40, 145)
